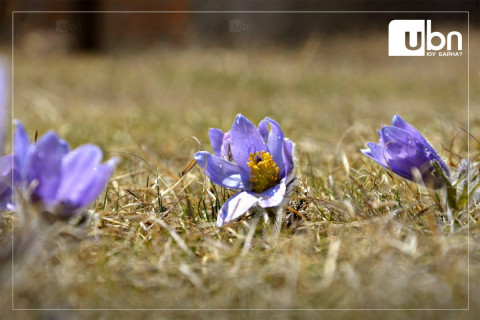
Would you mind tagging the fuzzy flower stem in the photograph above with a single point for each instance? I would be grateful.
(252, 227)
(277, 224)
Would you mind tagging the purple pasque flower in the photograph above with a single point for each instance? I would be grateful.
(256, 161)
(60, 181)
(405, 151)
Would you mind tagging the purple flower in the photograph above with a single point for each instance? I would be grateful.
(405, 151)
(60, 181)
(256, 161)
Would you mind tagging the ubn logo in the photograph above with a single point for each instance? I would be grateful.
(409, 38)
(67, 26)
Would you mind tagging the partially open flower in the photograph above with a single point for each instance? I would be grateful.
(405, 151)
(256, 161)
(56, 180)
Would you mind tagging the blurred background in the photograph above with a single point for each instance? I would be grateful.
(145, 83)
(104, 32)
(117, 76)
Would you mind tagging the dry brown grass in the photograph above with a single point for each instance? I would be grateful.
(370, 240)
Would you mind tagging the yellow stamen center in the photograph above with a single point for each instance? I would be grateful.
(263, 171)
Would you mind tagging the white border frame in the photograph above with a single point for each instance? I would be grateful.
(259, 309)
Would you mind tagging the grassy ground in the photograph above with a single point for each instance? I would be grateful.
(367, 240)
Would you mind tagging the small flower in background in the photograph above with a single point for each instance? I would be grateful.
(405, 151)
(466, 182)
(256, 161)
(56, 180)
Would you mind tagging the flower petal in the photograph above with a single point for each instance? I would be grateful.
(275, 145)
(43, 164)
(263, 129)
(21, 143)
(287, 153)
(222, 172)
(396, 134)
(375, 152)
(274, 196)
(416, 154)
(78, 170)
(401, 150)
(226, 149)
(246, 139)
(398, 122)
(100, 179)
(216, 140)
(235, 207)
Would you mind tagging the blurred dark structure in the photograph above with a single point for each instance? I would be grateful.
(88, 37)
(86, 30)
